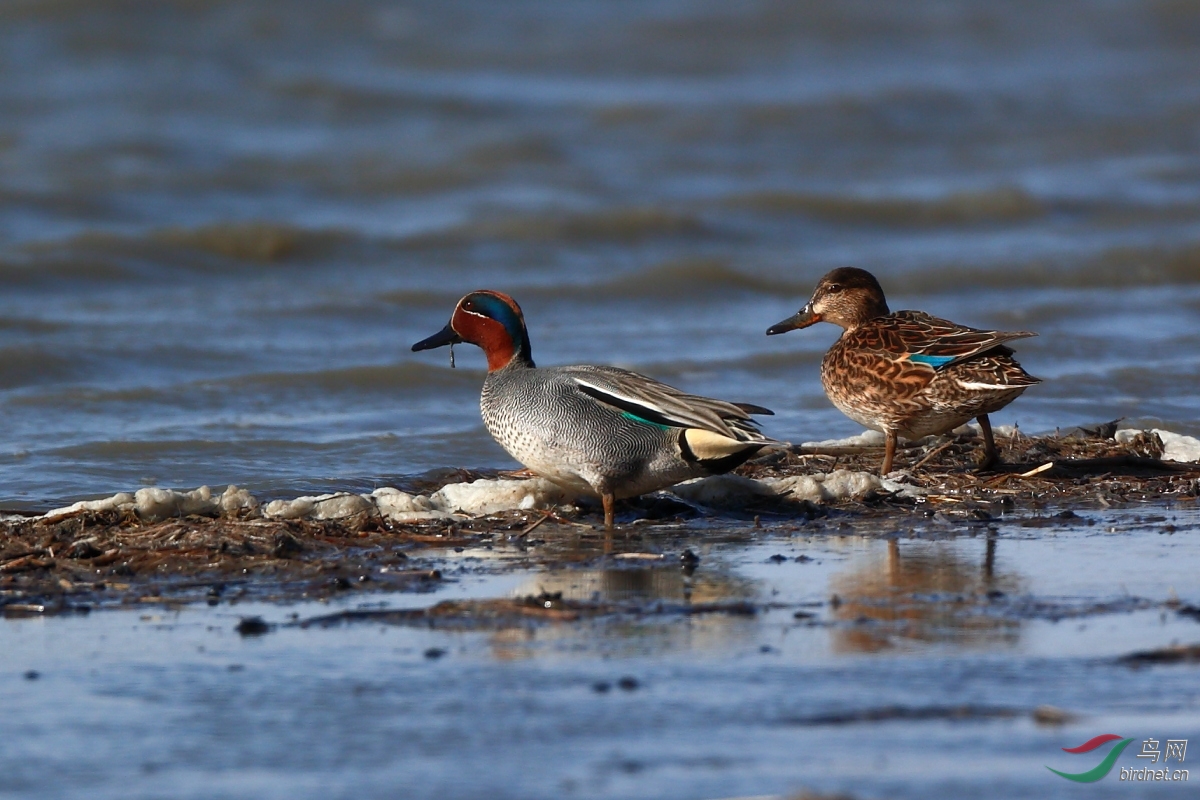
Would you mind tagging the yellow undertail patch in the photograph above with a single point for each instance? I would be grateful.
(706, 445)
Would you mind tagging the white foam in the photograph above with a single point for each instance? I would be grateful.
(864, 439)
(1176, 446)
(457, 500)
(491, 496)
(235, 501)
(871, 438)
(155, 505)
(730, 491)
(403, 507)
(998, 431)
(477, 498)
(122, 501)
(453, 500)
(326, 506)
(723, 491)
(839, 485)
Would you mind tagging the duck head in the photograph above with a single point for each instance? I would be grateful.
(847, 297)
(491, 320)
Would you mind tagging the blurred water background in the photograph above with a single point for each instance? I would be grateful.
(222, 224)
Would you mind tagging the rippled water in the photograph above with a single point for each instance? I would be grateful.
(223, 224)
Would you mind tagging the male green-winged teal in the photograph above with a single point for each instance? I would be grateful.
(597, 430)
(908, 374)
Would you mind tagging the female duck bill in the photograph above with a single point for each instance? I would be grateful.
(801, 319)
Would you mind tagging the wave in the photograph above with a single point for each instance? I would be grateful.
(683, 372)
(619, 225)
(226, 247)
(672, 280)
(1002, 204)
(406, 377)
(22, 366)
(229, 248)
(702, 277)
(1114, 268)
(691, 277)
(391, 377)
(254, 241)
(120, 450)
(217, 248)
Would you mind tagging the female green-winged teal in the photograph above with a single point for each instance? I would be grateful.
(597, 430)
(908, 374)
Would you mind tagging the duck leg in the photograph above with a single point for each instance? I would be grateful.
(608, 500)
(889, 453)
(990, 457)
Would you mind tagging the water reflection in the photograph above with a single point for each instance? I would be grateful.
(875, 594)
(643, 590)
(921, 591)
(665, 581)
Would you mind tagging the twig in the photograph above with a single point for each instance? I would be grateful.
(533, 525)
(935, 451)
(1038, 470)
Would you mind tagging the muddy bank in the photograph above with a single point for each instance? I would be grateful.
(690, 654)
(118, 551)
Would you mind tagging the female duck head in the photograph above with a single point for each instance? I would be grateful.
(491, 320)
(847, 297)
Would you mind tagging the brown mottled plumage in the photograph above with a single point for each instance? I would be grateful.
(908, 374)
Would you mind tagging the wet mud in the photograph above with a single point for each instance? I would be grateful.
(89, 560)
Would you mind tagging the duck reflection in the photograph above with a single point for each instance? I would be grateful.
(925, 592)
(640, 593)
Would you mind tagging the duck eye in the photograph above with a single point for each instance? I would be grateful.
(469, 305)
(833, 288)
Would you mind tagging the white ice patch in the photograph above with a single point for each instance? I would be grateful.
(1176, 446)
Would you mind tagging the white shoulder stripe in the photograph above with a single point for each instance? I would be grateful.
(637, 401)
(981, 386)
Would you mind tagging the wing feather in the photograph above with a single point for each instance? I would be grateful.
(661, 404)
(941, 343)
